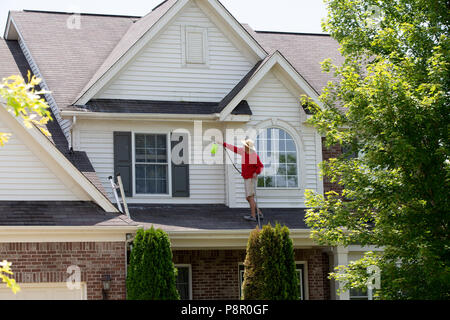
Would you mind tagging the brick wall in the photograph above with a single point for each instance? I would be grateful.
(48, 262)
(327, 153)
(215, 272)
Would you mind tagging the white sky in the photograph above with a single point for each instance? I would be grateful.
(271, 15)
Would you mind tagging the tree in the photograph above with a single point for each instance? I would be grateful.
(24, 102)
(270, 266)
(151, 273)
(390, 107)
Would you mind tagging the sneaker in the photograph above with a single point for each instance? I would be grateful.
(250, 218)
(260, 214)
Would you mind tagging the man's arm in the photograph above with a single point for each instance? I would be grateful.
(231, 147)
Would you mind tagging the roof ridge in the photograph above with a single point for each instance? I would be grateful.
(80, 13)
(295, 33)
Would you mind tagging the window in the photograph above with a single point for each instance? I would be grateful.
(278, 153)
(299, 267)
(241, 278)
(183, 282)
(151, 163)
(358, 294)
(195, 45)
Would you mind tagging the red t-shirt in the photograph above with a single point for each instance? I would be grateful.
(251, 163)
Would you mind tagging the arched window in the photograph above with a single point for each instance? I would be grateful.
(278, 153)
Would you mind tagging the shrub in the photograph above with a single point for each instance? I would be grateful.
(270, 266)
(253, 276)
(151, 273)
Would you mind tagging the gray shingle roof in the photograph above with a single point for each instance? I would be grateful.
(305, 52)
(152, 106)
(210, 217)
(68, 58)
(58, 213)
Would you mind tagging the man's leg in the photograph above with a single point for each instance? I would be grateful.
(251, 201)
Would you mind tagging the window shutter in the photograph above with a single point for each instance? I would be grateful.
(195, 47)
(180, 164)
(123, 160)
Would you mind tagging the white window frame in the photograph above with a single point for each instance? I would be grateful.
(299, 163)
(239, 279)
(185, 29)
(305, 277)
(189, 266)
(169, 164)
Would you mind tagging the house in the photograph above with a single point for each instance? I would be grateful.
(125, 92)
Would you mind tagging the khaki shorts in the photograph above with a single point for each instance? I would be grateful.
(250, 185)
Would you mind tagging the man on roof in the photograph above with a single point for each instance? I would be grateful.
(251, 168)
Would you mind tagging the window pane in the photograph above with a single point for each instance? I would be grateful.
(291, 157)
(161, 141)
(150, 155)
(281, 181)
(269, 182)
(150, 171)
(140, 155)
(140, 186)
(140, 141)
(291, 169)
(292, 182)
(150, 141)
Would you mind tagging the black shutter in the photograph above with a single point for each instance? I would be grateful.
(180, 164)
(123, 162)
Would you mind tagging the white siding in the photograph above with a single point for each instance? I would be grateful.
(207, 182)
(23, 176)
(272, 100)
(159, 73)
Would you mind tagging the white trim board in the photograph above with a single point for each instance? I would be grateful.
(35, 234)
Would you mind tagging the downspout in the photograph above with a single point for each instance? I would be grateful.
(74, 121)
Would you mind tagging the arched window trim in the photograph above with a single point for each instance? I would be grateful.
(283, 125)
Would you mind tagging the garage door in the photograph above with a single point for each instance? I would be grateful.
(43, 291)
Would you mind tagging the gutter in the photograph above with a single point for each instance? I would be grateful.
(34, 234)
(138, 116)
(228, 239)
(83, 115)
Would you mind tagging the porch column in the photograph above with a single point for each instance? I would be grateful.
(340, 257)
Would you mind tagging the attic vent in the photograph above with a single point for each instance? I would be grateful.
(195, 46)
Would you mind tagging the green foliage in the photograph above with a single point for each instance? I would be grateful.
(270, 266)
(5, 268)
(253, 275)
(24, 102)
(151, 273)
(391, 107)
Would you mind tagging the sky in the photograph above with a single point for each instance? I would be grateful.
(271, 15)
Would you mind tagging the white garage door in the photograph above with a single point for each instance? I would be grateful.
(43, 291)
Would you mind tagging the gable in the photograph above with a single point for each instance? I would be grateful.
(160, 72)
(25, 177)
(272, 99)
